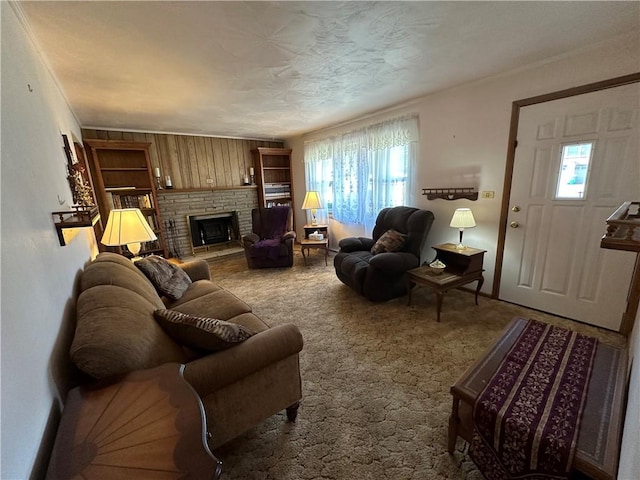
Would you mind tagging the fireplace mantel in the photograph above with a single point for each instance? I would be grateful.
(212, 189)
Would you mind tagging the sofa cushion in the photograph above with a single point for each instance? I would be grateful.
(111, 273)
(116, 333)
(389, 241)
(201, 333)
(221, 304)
(272, 248)
(196, 290)
(169, 279)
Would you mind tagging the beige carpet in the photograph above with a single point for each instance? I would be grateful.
(375, 376)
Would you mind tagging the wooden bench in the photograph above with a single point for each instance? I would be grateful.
(601, 428)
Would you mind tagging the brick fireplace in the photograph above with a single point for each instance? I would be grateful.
(231, 207)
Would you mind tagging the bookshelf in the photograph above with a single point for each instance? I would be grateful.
(273, 176)
(122, 174)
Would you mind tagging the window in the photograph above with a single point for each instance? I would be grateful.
(363, 171)
(575, 161)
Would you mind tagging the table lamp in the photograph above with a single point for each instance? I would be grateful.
(127, 226)
(312, 202)
(462, 218)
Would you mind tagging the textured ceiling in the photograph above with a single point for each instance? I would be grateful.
(276, 69)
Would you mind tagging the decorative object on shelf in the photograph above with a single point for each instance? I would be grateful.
(128, 227)
(252, 176)
(156, 173)
(68, 222)
(167, 182)
(450, 193)
(77, 177)
(462, 218)
(312, 202)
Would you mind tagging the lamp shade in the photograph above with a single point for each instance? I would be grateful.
(125, 226)
(462, 218)
(311, 201)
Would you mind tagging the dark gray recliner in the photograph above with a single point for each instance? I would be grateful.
(381, 277)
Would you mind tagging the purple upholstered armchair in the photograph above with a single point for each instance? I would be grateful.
(271, 243)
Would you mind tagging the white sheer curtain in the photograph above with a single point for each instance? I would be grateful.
(365, 170)
(318, 162)
(392, 157)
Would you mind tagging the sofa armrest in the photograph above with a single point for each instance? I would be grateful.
(215, 371)
(355, 244)
(289, 235)
(250, 239)
(197, 270)
(394, 261)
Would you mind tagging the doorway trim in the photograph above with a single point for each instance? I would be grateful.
(511, 153)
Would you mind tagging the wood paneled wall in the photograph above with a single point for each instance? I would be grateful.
(190, 160)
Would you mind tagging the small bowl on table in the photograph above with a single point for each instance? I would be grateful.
(436, 270)
(436, 267)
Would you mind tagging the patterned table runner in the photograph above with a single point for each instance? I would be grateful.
(526, 420)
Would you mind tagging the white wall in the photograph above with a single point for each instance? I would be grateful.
(630, 452)
(38, 275)
(463, 142)
(464, 132)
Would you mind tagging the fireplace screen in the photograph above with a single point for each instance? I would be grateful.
(213, 229)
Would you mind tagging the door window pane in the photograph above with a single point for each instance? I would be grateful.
(574, 169)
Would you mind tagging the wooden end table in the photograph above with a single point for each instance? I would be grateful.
(307, 244)
(148, 424)
(462, 267)
(320, 244)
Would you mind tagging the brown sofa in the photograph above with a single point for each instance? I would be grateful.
(240, 386)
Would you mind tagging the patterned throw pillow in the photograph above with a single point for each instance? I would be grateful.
(169, 279)
(389, 241)
(201, 333)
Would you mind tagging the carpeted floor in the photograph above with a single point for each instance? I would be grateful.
(376, 376)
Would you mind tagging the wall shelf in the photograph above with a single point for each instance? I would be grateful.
(623, 228)
(69, 222)
(623, 233)
(450, 193)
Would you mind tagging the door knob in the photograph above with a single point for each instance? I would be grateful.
(515, 209)
(514, 224)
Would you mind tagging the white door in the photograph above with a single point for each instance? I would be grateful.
(576, 161)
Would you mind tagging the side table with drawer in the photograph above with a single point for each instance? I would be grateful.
(463, 266)
(306, 243)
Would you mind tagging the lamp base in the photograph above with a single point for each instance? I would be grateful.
(460, 246)
(134, 248)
